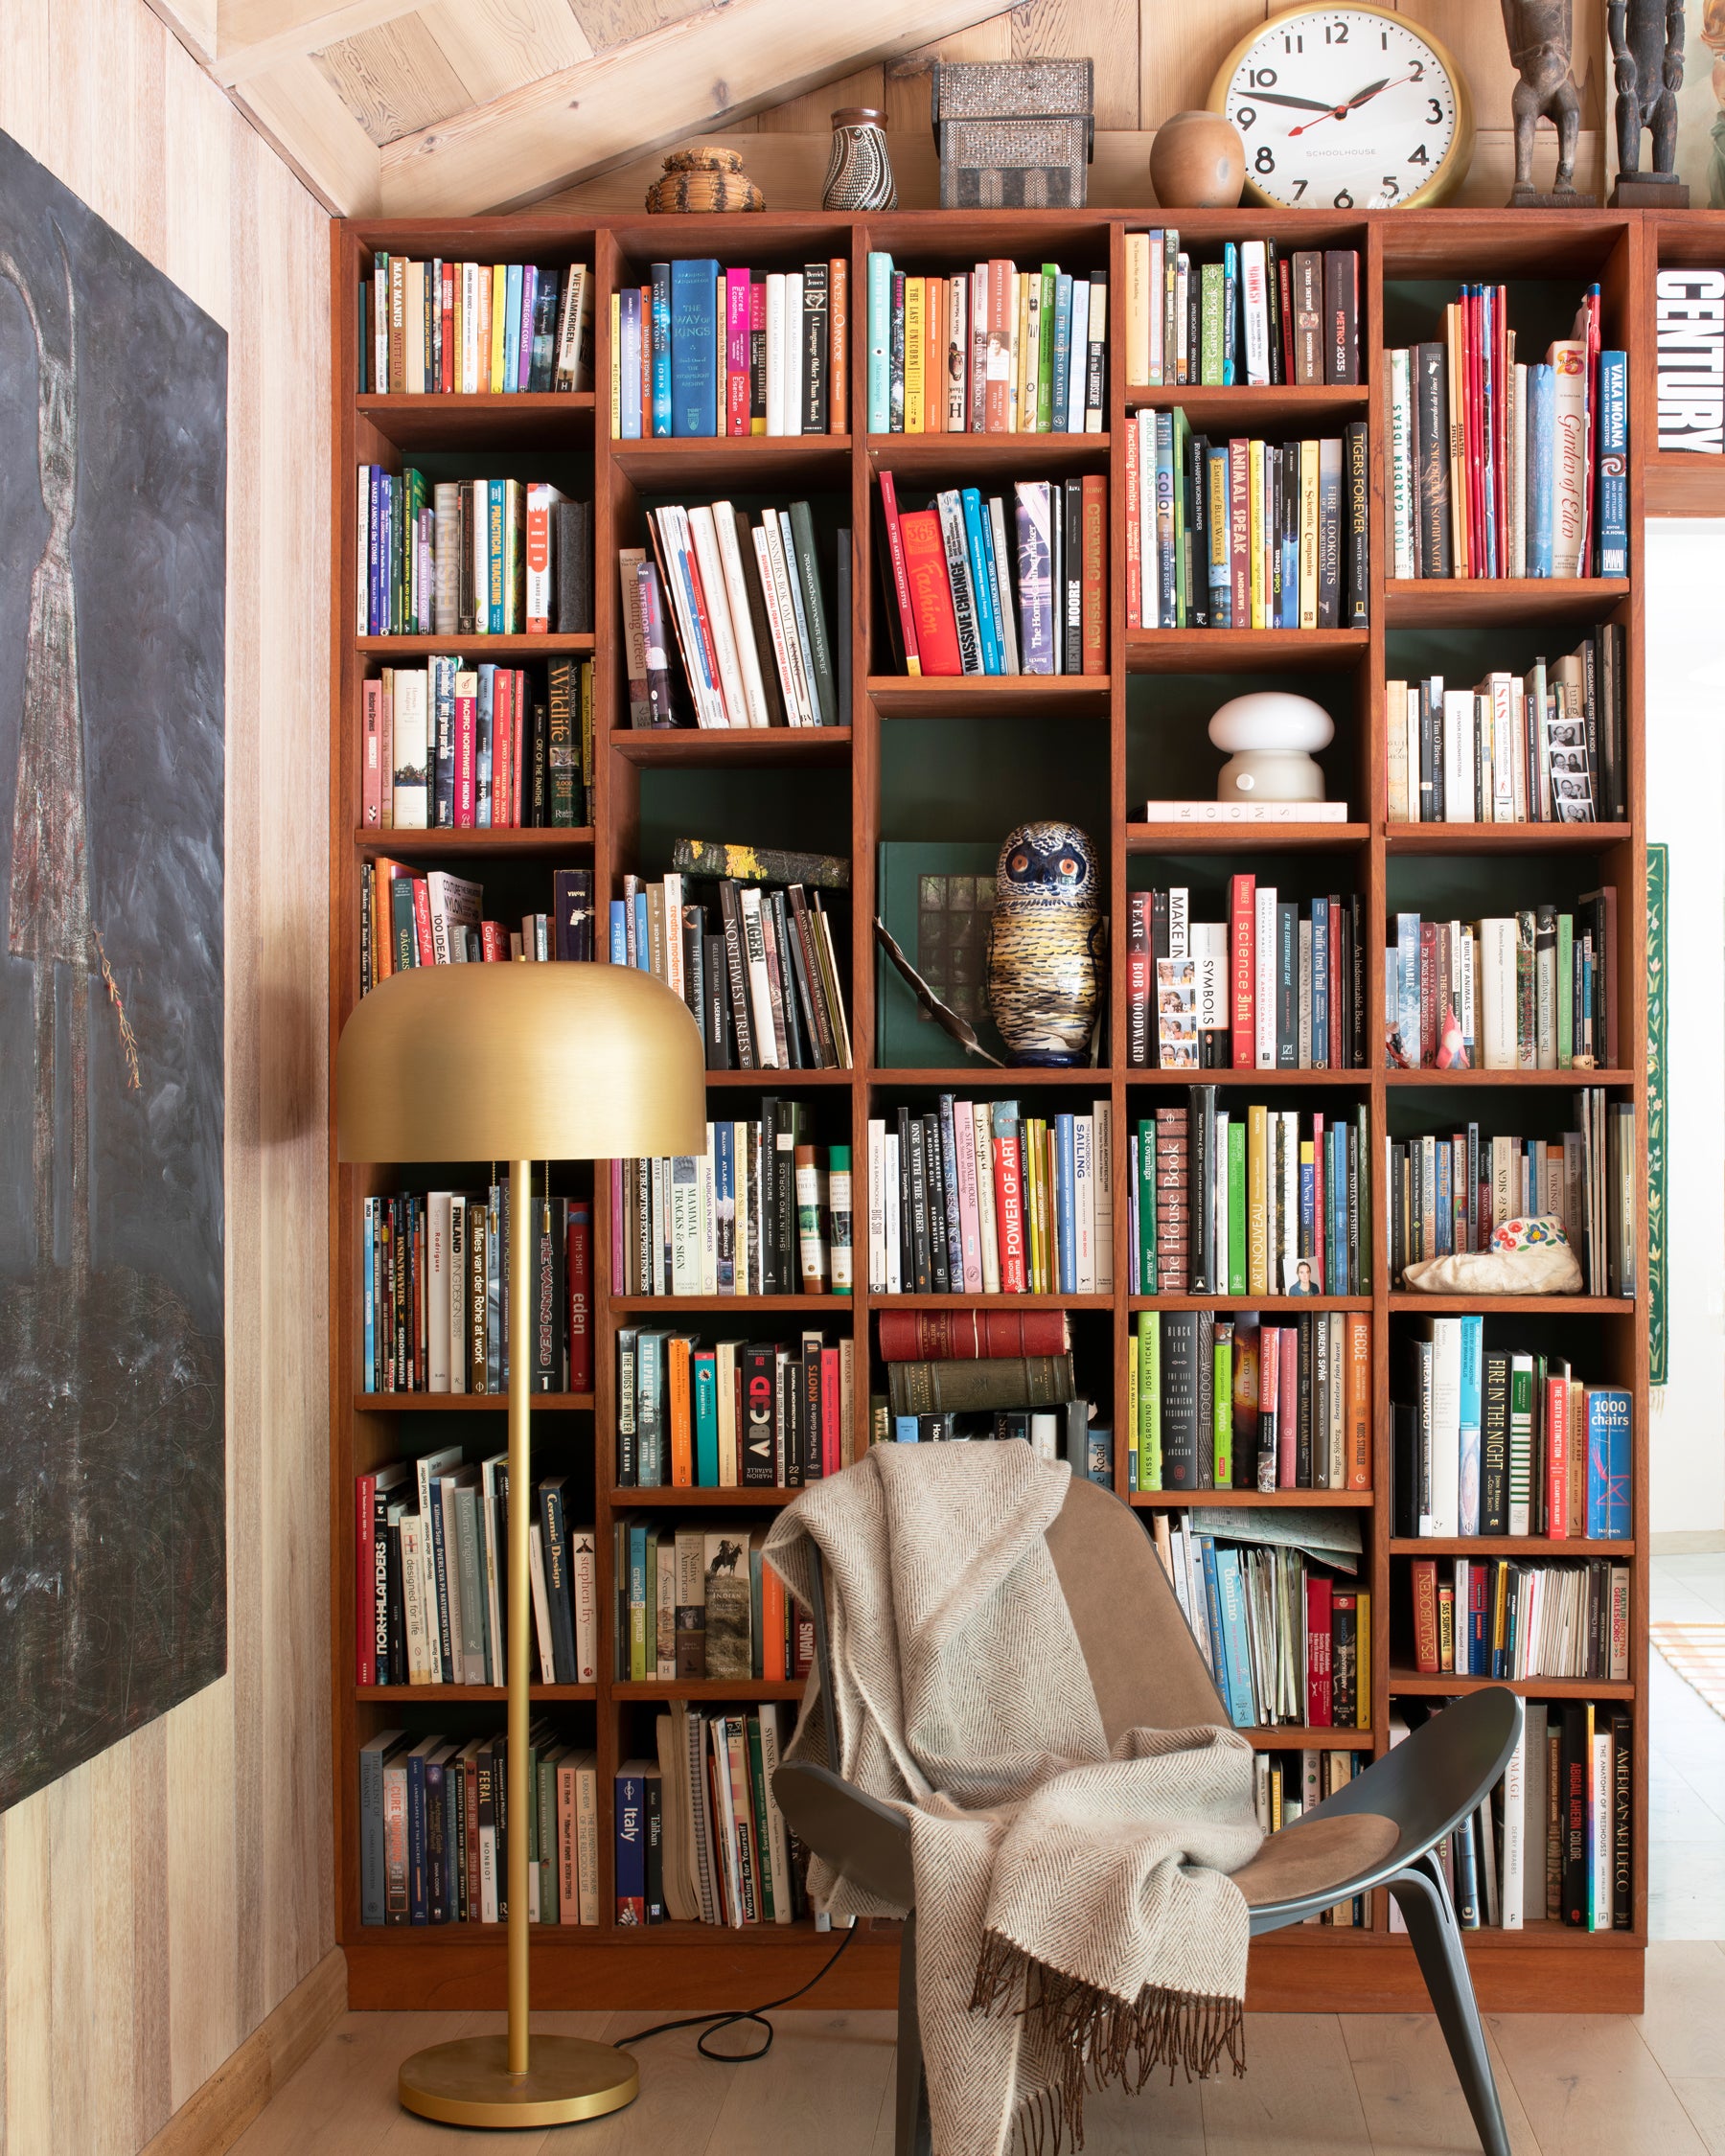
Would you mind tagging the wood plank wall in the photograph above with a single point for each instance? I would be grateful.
(1153, 58)
(158, 1902)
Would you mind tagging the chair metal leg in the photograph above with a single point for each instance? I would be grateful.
(911, 2134)
(1425, 1904)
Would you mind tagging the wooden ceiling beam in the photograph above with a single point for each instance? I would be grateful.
(255, 35)
(708, 69)
(295, 108)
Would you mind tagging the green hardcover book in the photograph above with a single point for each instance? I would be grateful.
(1566, 991)
(1223, 1418)
(1521, 1444)
(402, 923)
(474, 1625)
(1045, 357)
(1149, 1332)
(936, 899)
(760, 864)
(1236, 1218)
(544, 1829)
(808, 576)
(1210, 325)
(764, 1884)
(1132, 1413)
(1147, 1156)
(639, 1604)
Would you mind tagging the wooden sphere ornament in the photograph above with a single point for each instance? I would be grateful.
(707, 177)
(1197, 162)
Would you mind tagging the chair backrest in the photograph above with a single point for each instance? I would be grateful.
(1145, 1664)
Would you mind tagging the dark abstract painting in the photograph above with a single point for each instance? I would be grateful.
(113, 480)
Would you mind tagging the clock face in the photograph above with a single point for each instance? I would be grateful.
(1342, 109)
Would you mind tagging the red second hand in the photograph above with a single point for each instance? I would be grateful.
(1341, 111)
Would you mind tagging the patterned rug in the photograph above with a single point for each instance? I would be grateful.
(1696, 1652)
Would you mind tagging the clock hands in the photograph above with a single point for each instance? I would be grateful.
(1271, 97)
(1359, 97)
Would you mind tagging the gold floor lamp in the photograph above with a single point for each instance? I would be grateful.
(518, 1063)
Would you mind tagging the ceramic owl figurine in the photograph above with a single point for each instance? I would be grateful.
(1043, 969)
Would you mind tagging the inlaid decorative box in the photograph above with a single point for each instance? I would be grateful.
(1013, 134)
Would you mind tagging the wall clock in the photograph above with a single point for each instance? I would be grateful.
(1347, 108)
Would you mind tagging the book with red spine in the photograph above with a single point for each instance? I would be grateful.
(901, 582)
(831, 1412)
(1285, 283)
(1242, 913)
(371, 774)
(365, 1577)
(494, 942)
(971, 1335)
(421, 920)
(931, 592)
(579, 1272)
(736, 351)
(1095, 594)
(1428, 995)
(1287, 1410)
(1424, 1571)
(1268, 1397)
(1009, 1212)
(1239, 531)
(1320, 1695)
(1134, 555)
(467, 751)
(1556, 1460)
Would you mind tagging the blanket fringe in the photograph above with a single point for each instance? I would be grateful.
(1093, 2039)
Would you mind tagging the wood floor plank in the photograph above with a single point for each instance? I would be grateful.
(1590, 2087)
(1296, 2096)
(342, 2101)
(680, 2098)
(1409, 2090)
(1703, 2100)
(819, 2086)
(1684, 2025)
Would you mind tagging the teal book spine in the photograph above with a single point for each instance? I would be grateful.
(695, 345)
(511, 326)
(1230, 1592)
(1608, 1413)
(1231, 307)
(494, 555)
(1065, 1214)
(1218, 1645)
(656, 328)
(1469, 1416)
(1236, 1207)
(1146, 1207)
(978, 545)
(880, 342)
(707, 1422)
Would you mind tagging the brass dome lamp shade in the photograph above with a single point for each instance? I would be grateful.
(520, 1062)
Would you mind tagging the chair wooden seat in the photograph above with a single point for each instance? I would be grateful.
(1380, 1829)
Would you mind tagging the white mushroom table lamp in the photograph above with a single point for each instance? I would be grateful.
(1270, 736)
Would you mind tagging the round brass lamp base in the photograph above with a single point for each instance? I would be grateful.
(468, 2083)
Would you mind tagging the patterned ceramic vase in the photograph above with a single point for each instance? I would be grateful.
(1044, 964)
(859, 176)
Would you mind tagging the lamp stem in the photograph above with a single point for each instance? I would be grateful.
(520, 1515)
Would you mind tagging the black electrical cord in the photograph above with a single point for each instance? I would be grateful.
(712, 2023)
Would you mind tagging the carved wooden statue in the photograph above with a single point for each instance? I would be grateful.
(1646, 51)
(1541, 35)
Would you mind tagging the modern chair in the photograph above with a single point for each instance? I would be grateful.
(1381, 1830)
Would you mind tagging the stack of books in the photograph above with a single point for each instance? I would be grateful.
(995, 350)
(696, 1601)
(701, 350)
(408, 920)
(1286, 1785)
(469, 328)
(989, 1375)
(471, 557)
(1245, 533)
(1506, 1619)
(1503, 1442)
(1542, 747)
(699, 1837)
(453, 747)
(731, 1414)
(1503, 468)
(1257, 315)
(748, 620)
(959, 600)
(975, 1198)
(1529, 991)
(1219, 1400)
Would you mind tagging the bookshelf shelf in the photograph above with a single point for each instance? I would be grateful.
(461, 1695)
(1289, 1736)
(1410, 1682)
(708, 1687)
(1099, 739)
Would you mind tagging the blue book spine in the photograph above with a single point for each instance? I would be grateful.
(1320, 984)
(1614, 464)
(629, 330)
(619, 932)
(1542, 421)
(880, 342)
(511, 326)
(725, 1192)
(1407, 953)
(1472, 1352)
(706, 1423)
(1231, 1591)
(656, 330)
(1066, 1210)
(994, 659)
(904, 1429)
(1063, 348)
(643, 948)
(494, 565)
(482, 747)
(1221, 591)
(418, 1899)
(1607, 1465)
(368, 1290)
(1212, 1601)
(694, 349)
(1230, 306)
(631, 1849)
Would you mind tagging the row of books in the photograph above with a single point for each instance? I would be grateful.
(694, 1600)
(1503, 468)
(473, 328)
(1496, 1440)
(1554, 1841)
(763, 1211)
(1280, 985)
(748, 620)
(434, 1282)
(1450, 1194)
(977, 1198)
(1245, 533)
(995, 350)
(764, 986)
(1067, 1432)
(958, 600)
(434, 1829)
(700, 1834)
(408, 920)
(455, 747)
(1220, 1400)
(1286, 1785)
(1258, 315)
(1542, 747)
(731, 1414)
(470, 556)
(1284, 1630)
(1505, 1618)
(1536, 990)
(700, 350)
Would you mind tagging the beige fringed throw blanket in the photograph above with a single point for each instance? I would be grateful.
(1075, 1922)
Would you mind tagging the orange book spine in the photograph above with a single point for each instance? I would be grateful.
(838, 346)
(682, 1435)
(1425, 1616)
(773, 1626)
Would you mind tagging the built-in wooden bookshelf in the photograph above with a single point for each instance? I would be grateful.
(1544, 1968)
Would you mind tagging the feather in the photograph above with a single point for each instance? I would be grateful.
(943, 1015)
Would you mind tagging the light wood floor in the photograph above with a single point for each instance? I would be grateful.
(1317, 2085)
